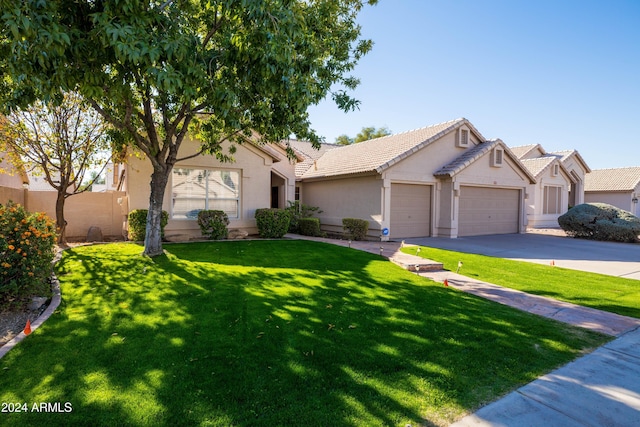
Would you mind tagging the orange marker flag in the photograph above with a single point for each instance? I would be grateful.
(446, 283)
(27, 329)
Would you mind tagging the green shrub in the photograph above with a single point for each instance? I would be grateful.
(600, 221)
(27, 248)
(355, 229)
(138, 224)
(272, 223)
(299, 211)
(213, 224)
(309, 227)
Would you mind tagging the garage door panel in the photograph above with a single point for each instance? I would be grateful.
(486, 210)
(410, 210)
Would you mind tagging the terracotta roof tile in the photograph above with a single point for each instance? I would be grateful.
(466, 159)
(618, 179)
(538, 165)
(565, 155)
(380, 153)
(308, 153)
(473, 154)
(523, 150)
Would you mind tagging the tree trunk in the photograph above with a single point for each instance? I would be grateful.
(153, 237)
(61, 224)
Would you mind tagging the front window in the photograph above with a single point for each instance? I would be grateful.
(552, 200)
(196, 189)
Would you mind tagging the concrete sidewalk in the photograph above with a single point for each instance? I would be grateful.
(599, 389)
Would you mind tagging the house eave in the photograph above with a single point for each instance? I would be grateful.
(337, 176)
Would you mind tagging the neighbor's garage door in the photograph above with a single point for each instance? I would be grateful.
(410, 210)
(486, 210)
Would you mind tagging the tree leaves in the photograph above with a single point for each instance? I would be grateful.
(149, 68)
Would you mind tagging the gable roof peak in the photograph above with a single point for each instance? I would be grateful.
(473, 154)
(378, 154)
(523, 151)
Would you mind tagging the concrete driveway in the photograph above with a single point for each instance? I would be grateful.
(613, 259)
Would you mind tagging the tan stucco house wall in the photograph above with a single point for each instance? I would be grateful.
(619, 187)
(411, 184)
(257, 175)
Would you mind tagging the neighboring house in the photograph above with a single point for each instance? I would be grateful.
(442, 180)
(619, 187)
(37, 182)
(113, 178)
(13, 181)
(10, 175)
(260, 177)
(559, 183)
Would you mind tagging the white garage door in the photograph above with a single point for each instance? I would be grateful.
(486, 210)
(410, 211)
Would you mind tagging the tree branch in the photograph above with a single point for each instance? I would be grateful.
(216, 26)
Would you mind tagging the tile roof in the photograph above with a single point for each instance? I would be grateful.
(618, 179)
(466, 159)
(538, 165)
(308, 153)
(523, 150)
(473, 154)
(378, 154)
(565, 155)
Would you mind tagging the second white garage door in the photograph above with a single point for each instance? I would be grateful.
(485, 210)
(410, 211)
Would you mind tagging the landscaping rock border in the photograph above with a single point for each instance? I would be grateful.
(56, 298)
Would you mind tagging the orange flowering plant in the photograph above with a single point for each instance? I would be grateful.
(27, 247)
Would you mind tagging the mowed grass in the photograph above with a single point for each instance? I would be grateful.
(270, 333)
(599, 291)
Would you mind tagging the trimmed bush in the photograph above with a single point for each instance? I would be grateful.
(213, 224)
(299, 211)
(138, 224)
(309, 227)
(600, 221)
(272, 223)
(355, 229)
(27, 248)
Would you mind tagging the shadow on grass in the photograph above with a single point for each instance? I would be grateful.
(271, 333)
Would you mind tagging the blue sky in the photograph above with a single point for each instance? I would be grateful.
(563, 73)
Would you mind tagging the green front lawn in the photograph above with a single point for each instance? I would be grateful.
(607, 293)
(270, 333)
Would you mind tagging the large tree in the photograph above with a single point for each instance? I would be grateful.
(225, 70)
(365, 134)
(62, 143)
